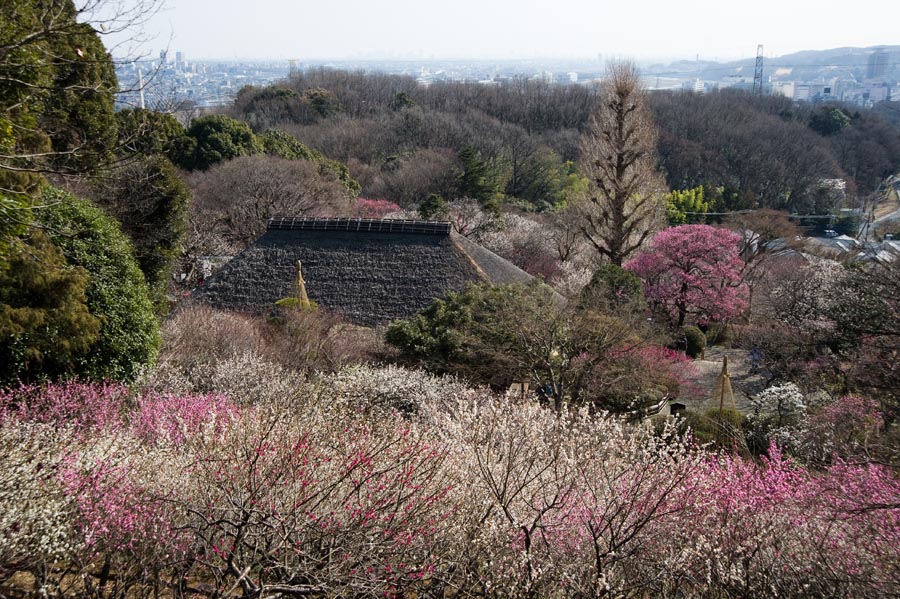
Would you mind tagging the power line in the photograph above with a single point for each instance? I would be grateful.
(749, 211)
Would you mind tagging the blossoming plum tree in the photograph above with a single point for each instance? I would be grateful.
(142, 494)
(693, 271)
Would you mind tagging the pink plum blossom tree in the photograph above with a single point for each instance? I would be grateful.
(693, 271)
(374, 208)
(470, 495)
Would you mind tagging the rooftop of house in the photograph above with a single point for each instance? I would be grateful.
(370, 270)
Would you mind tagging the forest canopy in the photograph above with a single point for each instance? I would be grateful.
(747, 151)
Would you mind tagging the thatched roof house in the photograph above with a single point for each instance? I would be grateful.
(372, 271)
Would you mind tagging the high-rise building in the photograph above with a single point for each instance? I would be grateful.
(878, 64)
(179, 58)
(163, 56)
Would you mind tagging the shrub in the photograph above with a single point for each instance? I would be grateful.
(525, 243)
(504, 334)
(613, 288)
(846, 428)
(248, 377)
(692, 341)
(394, 389)
(434, 207)
(197, 334)
(117, 293)
(45, 324)
(321, 341)
(147, 132)
(779, 416)
(212, 139)
(276, 142)
(374, 208)
(152, 213)
(176, 418)
(36, 518)
(498, 494)
(85, 408)
(201, 343)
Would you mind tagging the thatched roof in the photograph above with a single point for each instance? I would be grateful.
(372, 271)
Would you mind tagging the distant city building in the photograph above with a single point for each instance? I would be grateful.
(210, 83)
(785, 88)
(695, 86)
(878, 64)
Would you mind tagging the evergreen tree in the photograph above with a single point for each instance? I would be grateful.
(45, 324)
(480, 180)
(116, 294)
(213, 139)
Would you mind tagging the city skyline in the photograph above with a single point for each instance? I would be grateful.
(502, 29)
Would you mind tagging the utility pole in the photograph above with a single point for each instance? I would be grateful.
(757, 75)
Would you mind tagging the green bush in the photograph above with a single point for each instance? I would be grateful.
(612, 288)
(276, 142)
(117, 293)
(693, 341)
(147, 132)
(45, 324)
(434, 207)
(216, 138)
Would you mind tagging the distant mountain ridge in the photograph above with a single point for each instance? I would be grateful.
(806, 65)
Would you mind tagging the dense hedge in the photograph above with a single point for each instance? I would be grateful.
(117, 293)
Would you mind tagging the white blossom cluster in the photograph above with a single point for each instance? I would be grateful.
(35, 513)
(380, 481)
(394, 389)
(779, 416)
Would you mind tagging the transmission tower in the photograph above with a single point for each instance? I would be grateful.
(757, 76)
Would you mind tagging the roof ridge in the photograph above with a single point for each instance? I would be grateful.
(472, 262)
(362, 225)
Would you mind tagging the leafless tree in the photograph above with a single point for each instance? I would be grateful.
(234, 199)
(765, 234)
(618, 156)
(470, 220)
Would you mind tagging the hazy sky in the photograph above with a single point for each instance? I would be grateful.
(422, 29)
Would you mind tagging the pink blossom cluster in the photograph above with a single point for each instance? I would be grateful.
(374, 208)
(693, 270)
(84, 406)
(177, 418)
(114, 512)
(488, 496)
(673, 368)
